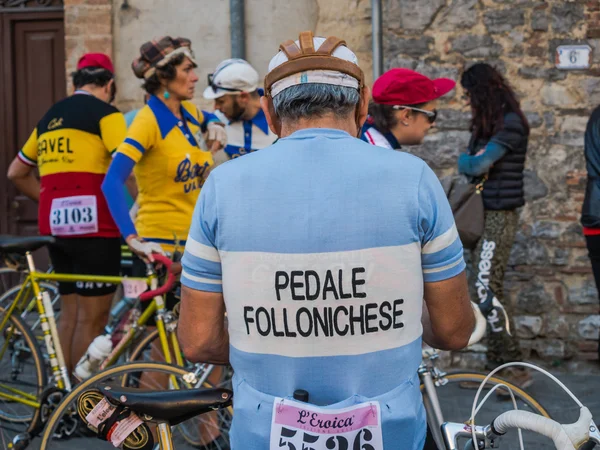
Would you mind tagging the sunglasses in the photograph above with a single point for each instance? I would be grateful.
(215, 87)
(431, 115)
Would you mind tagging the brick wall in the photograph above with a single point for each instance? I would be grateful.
(88, 28)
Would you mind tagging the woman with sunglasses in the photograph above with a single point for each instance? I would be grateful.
(403, 108)
(401, 113)
(496, 157)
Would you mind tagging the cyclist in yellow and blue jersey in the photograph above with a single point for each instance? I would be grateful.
(163, 149)
(164, 145)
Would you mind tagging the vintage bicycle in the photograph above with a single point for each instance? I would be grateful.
(27, 398)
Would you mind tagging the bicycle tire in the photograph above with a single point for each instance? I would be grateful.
(41, 378)
(141, 345)
(453, 382)
(72, 396)
(534, 404)
(10, 277)
(15, 289)
(192, 440)
(5, 298)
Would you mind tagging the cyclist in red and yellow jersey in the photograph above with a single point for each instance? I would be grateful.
(72, 146)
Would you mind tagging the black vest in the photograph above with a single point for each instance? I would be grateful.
(590, 213)
(503, 189)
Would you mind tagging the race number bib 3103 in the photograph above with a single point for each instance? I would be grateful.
(71, 216)
(300, 426)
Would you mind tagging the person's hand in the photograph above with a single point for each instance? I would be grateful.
(216, 136)
(480, 152)
(142, 248)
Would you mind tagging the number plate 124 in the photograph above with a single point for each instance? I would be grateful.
(301, 426)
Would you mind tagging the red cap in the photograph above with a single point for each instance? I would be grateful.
(407, 87)
(95, 60)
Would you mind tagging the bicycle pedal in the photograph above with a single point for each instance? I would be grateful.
(20, 441)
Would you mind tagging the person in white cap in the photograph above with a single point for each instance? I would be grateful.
(322, 268)
(234, 88)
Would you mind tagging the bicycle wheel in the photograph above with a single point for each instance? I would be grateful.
(22, 375)
(30, 313)
(457, 395)
(209, 425)
(9, 277)
(64, 430)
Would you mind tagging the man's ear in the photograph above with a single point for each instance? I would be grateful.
(110, 90)
(243, 98)
(365, 96)
(266, 103)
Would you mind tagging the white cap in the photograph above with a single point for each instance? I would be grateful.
(315, 76)
(232, 76)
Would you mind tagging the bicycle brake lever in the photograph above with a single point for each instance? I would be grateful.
(498, 305)
(594, 433)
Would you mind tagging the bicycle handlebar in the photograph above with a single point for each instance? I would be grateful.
(565, 437)
(168, 285)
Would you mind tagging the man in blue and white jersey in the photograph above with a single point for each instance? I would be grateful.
(234, 88)
(323, 269)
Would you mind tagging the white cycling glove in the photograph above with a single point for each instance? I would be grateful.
(216, 132)
(146, 248)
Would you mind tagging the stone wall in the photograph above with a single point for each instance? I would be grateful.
(118, 28)
(206, 23)
(349, 20)
(549, 279)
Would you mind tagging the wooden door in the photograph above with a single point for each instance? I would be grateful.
(32, 63)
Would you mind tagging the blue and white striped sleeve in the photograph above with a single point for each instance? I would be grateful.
(441, 248)
(201, 261)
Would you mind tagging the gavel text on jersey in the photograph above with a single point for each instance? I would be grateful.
(316, 318)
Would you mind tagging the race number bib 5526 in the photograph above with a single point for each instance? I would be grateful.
(300, 426)
(70, 216)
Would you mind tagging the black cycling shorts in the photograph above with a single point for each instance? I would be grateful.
(86, 256)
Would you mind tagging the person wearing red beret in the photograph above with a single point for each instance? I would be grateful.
(402, 112)
(72, 148)
(403, 108)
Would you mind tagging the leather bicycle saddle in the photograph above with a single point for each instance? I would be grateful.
(173, 406)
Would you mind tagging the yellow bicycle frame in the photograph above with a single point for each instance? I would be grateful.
(31, 282)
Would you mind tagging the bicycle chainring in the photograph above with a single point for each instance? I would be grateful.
(68, 425)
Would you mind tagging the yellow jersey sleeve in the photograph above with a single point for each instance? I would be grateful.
(142, 135)
(113, 130)
(29, 152)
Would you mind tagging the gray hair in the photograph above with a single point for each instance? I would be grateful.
(315, 100)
